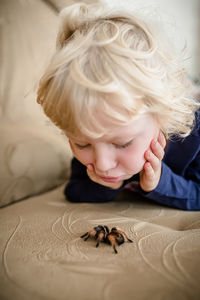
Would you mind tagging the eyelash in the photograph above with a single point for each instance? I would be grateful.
(123, 146)
(81, 147)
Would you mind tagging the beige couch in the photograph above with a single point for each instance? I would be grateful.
(42, 255)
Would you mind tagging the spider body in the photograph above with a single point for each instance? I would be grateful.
(101, 233)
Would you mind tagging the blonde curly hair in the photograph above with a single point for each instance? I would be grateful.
(109, 63)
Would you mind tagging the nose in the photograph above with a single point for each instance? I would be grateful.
(104, 159)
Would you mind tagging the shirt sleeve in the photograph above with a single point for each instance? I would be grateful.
(175, 191)
(82, 189)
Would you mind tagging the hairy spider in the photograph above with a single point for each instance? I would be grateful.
(101, 233)
(116, 237)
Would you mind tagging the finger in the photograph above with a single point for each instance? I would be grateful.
(90, 167)
(90, 172)
(157, 149)
(149, 178)
(149, 171)
(152, 159)
(162, 140)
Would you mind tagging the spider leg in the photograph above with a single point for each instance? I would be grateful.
(107, 229)
(113, 242)
(88, 235)
(82, 236)
(99, 238)
(128, 240)
(123, 233)
(115, 249)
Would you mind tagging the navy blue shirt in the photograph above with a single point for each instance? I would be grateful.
(179, 185)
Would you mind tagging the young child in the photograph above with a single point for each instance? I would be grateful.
(122, 101)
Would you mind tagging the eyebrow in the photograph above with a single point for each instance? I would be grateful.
(123, 142)
(112, 140)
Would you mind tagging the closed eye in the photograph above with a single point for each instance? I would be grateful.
(123, 145)
(118, 146)
(82, 146)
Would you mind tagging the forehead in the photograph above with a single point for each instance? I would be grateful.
(135, 127)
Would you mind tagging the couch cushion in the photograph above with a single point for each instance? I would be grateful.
(32, 160)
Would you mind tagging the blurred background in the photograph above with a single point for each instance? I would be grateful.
(181, 22)
(180, 19)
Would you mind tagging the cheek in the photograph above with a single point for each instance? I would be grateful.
(128, 163)
(133, 158)
(84, 156)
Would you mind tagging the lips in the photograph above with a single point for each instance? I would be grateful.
(110, 179)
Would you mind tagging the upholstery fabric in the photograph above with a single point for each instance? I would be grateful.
(43, 256)
(33, 154)
(33, 160)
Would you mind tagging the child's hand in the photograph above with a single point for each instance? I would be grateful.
(95, 178)
(150, 175)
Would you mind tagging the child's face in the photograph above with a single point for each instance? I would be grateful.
(118, 155)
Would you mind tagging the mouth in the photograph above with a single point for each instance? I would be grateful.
(110, 179)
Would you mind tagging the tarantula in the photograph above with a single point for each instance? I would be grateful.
(101, 233)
